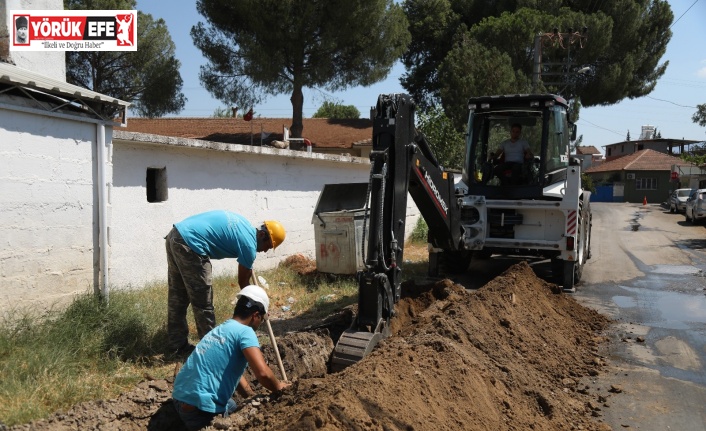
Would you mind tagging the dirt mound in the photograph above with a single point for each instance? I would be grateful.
(300, 264)
(509, 356)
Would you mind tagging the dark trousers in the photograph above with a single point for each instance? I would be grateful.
(196, 419)
(190, 283)
(510, 173)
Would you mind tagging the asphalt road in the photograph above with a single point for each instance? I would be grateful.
(648, 273)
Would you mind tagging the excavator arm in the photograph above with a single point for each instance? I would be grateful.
(401, 163)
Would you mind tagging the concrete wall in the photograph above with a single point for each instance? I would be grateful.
(51, 63)
(46, 207)
(48, 202)
(258, 182)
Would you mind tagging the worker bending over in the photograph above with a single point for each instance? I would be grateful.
(191, 244)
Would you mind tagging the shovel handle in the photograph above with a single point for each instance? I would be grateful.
(272, 336)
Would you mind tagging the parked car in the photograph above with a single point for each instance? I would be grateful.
(677, 200)
(695, 206)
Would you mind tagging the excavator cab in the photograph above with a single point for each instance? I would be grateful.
(544, 127)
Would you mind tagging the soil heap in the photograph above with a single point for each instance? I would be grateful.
(513, 355)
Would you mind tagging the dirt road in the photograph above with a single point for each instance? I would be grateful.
(647, 273)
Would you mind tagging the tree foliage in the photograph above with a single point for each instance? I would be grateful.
(257, 48)
(337, 110)
(149, 78)
(495, 41)
(700, 115)
(697, 156)
(447, 144)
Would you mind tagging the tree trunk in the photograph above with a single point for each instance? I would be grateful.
(297, 100)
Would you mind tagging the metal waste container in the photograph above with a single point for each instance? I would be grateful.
(338, 228)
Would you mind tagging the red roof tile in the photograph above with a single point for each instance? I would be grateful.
(322, 132)
(588, 149)
(643, 160)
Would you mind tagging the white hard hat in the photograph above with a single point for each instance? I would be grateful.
(255, 293)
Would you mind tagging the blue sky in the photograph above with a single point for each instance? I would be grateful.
(669, 107)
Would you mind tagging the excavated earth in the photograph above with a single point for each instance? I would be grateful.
(515, 354)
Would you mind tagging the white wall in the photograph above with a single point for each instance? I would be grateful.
(46, 207)
(49, 211)
(258, 182)
(51, 63)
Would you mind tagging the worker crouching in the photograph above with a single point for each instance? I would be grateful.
(205, 384)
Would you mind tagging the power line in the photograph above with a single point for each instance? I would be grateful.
(692, 5)
(601, 127)
(669, 101)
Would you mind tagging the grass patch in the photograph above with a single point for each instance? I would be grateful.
(420, 232)
(91, 350)
(88, 350)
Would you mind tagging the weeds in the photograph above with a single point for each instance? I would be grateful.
(419, 234)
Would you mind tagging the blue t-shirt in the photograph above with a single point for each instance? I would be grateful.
(209, 377)
(219, 235)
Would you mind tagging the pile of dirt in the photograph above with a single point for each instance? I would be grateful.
(300, 264)
(513, 355)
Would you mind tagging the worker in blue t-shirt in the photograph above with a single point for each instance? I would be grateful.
(191, 244)
(205, 384)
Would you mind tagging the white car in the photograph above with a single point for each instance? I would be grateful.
(695, 206)
(677, 200)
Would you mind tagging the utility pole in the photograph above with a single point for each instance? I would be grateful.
(557, 40)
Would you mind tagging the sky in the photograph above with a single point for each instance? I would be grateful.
(669, 107)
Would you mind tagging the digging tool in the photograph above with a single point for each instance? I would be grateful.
(272, 335)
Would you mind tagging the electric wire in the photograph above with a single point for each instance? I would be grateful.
(687, 10)
(673, 103)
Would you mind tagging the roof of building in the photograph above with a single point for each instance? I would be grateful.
(13, 76)
(669, 141)
(643, 160)
(588, 149)
(322, 132)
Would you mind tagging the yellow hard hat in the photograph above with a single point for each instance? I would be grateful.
(276, 231)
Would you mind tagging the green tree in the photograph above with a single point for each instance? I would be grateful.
(700, 115)
(587, 183)
(446, 142)
(148, 78)
(470, 68)
(336, 110)
(256, 48)
(698, 158)
(626, 40)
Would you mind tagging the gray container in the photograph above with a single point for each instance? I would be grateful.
(338, 228)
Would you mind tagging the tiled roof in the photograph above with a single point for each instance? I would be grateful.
(322, 132)
(589, 149)
(643, 160)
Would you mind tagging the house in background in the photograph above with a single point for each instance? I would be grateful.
(589, 156)
(647, 141)
(645, 174)
(351, 137)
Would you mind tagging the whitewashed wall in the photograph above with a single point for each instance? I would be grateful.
(52, 63)
(48, 202)
(46, 207)
(258, 182)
